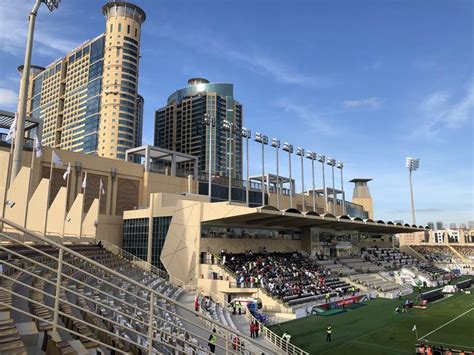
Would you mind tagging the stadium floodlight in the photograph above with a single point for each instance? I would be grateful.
(312, 156)
(247, 134)
(340, 165)
(51, 4)
(412, 164)
(211, 122)
(300, 153)
(263, 140)
(230, 129)
(332, 163)
(322, 160)
(17, 161)
(287, 147)
(276, 145)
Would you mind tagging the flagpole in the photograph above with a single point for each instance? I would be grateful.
(49, 192)
(65, 203)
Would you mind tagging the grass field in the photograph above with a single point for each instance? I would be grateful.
(376, 329)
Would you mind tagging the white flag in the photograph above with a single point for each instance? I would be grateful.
(67, 172)
(84, 182)
(414, 328)
(101, 188)
(12, 131)
(37, 147)
(55, 160)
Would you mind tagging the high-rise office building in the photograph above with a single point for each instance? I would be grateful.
(180, 126)
(88, 99)
(431, 226)
(453, 226)
(439, 225)
(470, 225)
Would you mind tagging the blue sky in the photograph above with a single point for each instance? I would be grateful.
(366, 82)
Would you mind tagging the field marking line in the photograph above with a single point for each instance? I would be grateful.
(455, 345)
(445, 324)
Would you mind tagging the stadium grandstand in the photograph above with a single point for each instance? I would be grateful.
(142, 261)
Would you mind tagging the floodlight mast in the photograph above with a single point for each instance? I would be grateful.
(300, 153)
(322, 160)
(211, 122)
(287, 147)
(19, 137)
(312, 156)
(332, 163)
(247, 134)
(263, 140)
(340, 165)
(412, 164)
(276, 145)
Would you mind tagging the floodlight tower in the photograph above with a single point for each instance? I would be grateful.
(312, 156)
(332, 163)
(412, 164)
(340, 165)
(300, 153)
(247, 134)
(287, 147)
(263, 140)
(322, 160)
(276, 145)
(211, 122)
(19, 137)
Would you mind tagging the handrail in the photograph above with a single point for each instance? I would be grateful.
(128, 280)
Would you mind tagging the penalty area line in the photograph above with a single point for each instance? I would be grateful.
(445, 324)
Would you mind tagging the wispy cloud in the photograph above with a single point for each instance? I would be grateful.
(8, 98)
(14, 22)
(370, 102)
(311, 118)
(244, 55)
(440, 111)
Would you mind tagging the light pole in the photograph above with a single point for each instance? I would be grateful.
(312, 156)
(19, 138)
(322, 160)
(247, 134)
(211, 122)
(276, 145)
(263, 140)
(332, 163)
(228, 126)
(300, 152)
(287, 147)
(340, 165)
(412, 164)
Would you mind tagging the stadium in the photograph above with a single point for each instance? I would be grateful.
(151, 254)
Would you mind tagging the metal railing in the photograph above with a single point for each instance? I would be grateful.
(122, 307)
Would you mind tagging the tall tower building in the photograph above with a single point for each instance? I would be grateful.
(180, 126)
(361, 195)
(88, 99)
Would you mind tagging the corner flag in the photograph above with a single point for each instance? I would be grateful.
(414, 328)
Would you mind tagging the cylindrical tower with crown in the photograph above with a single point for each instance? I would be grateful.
(119, 114)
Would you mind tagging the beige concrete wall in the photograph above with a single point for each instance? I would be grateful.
(110, 229)
(57, 214)
(91, 220)
(37, 207)
(17, 193)
(74, 217)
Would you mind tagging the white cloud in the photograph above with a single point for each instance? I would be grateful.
(8, 97)
(312, 119)
(13, 29)
(440, 111)
(203, 40)
(370, 102)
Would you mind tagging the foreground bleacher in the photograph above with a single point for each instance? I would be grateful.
(58, 299)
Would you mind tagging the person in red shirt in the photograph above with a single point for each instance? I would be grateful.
(252, 330)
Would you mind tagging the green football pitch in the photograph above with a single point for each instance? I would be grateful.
(376, 329)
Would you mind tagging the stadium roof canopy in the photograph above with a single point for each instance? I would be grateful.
(7, 117)
(269, 216)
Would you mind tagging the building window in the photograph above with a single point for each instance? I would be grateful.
(136, 32)
(111, 27)
(128, 29)
(120, 27)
